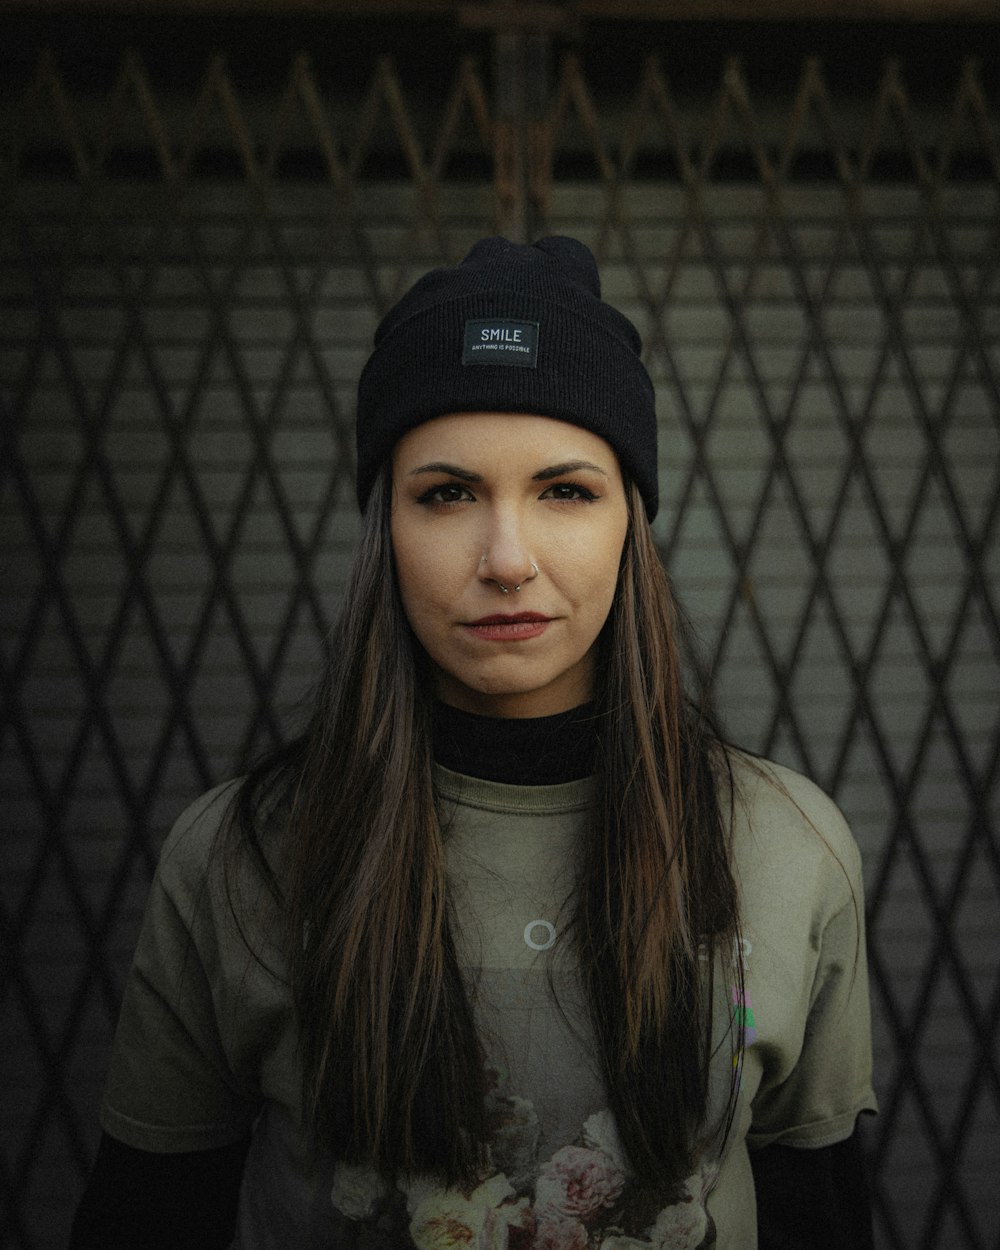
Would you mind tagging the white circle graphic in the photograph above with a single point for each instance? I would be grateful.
(550, 934)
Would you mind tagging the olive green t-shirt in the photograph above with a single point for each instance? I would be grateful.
(206, 1052)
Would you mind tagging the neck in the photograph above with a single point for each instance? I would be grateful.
(529, 751)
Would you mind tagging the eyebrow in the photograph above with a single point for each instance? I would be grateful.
(452, 470)
(543, 475)
(568, 466)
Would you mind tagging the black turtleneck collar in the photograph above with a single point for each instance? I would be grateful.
(535, 751)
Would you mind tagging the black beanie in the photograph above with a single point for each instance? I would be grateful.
(513, 328)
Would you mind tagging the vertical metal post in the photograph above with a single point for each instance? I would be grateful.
(536, 97)
(521, 36)
(511, 133)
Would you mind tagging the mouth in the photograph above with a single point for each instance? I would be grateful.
(512, 618)
(516, 627)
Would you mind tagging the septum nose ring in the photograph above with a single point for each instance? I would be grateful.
(506, 589)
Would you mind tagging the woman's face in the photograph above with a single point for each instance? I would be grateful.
(486, 500)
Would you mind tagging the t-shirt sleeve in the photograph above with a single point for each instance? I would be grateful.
(171, 1086)
(818, 1093)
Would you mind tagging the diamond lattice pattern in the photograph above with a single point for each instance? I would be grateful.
(188, 292)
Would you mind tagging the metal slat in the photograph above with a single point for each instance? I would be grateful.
(188, 289)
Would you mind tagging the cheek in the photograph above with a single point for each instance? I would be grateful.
(612, 561)
(407, 578)
(603, 598)
(591, 580)
(422, 576)
(600, 563)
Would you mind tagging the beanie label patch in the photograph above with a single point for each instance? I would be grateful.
(499, 341)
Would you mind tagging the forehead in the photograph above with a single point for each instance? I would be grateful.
(499, 439)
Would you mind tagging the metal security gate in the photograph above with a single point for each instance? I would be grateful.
(194, 251)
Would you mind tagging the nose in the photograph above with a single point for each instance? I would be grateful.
(507, 561)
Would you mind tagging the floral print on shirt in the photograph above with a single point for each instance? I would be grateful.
(581, 1198)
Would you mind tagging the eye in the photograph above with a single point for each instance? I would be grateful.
(450, 492)
(569, 492)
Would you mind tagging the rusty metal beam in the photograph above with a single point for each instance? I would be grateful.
(553, 15)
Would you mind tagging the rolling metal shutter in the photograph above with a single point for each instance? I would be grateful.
(190, 274)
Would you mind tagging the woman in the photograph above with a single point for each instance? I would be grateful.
(507, 949)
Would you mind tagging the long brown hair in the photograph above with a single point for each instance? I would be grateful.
(392, 1064)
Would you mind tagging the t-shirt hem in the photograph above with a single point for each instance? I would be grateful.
(169, 1138)
(816, 1136)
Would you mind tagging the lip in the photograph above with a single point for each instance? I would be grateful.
(515, 627)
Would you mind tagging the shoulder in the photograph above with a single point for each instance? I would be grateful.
(775, 797)
(786, 827)
(214, 843)
(213, 878)
(193, 835)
